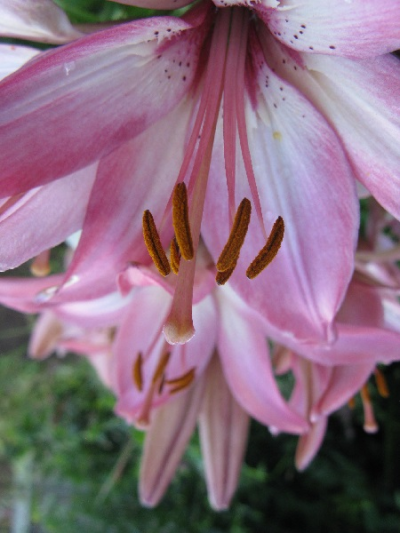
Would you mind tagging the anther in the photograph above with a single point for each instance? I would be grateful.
(182, 382)
(230, 254)
(267, 254)
(175, 256)
(40, 266)
(161, 385)
(180, 220)
(370, 425)
(153, 244)
(352, 402)
(381, 383)
(137, 372)
(159, 371)
(222, 277)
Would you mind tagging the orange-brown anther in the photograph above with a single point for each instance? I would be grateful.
(182, 382)
(161, 385)
(230, 254)
(269, 251)
(137, 372)
(381, 383)
(180, 220)
(352, 403)
(175, 256)
(222, 277)
(159, 371)
(40, 266)
(153, 244)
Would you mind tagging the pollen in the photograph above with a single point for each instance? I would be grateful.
(180, 219)
(162, 364)
(269, 251)
(182, 382)
(153, 244)
(381, 384)
(222, 277)
(137, 374)
(175, 256)
(230, 254)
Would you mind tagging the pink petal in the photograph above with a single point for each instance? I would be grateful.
(141, 331)
(360, 98)
(36, 20)
(358, 345)
(345, 382)
(302, 175)
(247, 367)
(223, 427)
(166, 440)
(20, 293)
(309, 444)
(359, 28)
(76, 104)
(45, 336)
(12, 57)
(43, 217)
(129, 181)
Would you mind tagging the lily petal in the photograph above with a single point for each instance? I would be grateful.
(89, 86)
(359, 28)
(166, 440)
(141, 332)
(247, 367)
(21, 293)
(345, 382)
(129, 181)
(12, 57)
(36, 20)
(292, 151)
(43, 217)
(223, 426)
(309, 444)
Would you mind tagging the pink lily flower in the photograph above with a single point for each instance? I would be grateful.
(280, 143)
(217, 380)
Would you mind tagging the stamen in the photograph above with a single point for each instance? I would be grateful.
(162, 363)
(40, 266)
(143, 419)
(381, 384)
(352, 403)
(222, 277)
(153, 244)
(267, 254)
(180, 219)
(370, 425)
(230, 254)
(161, 385)
(175, 256)
(137, 372)
(182, 382)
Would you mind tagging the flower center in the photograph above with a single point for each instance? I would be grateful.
(223, 80)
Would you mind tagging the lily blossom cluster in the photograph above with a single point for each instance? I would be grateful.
(226, 373)
(213, 163)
